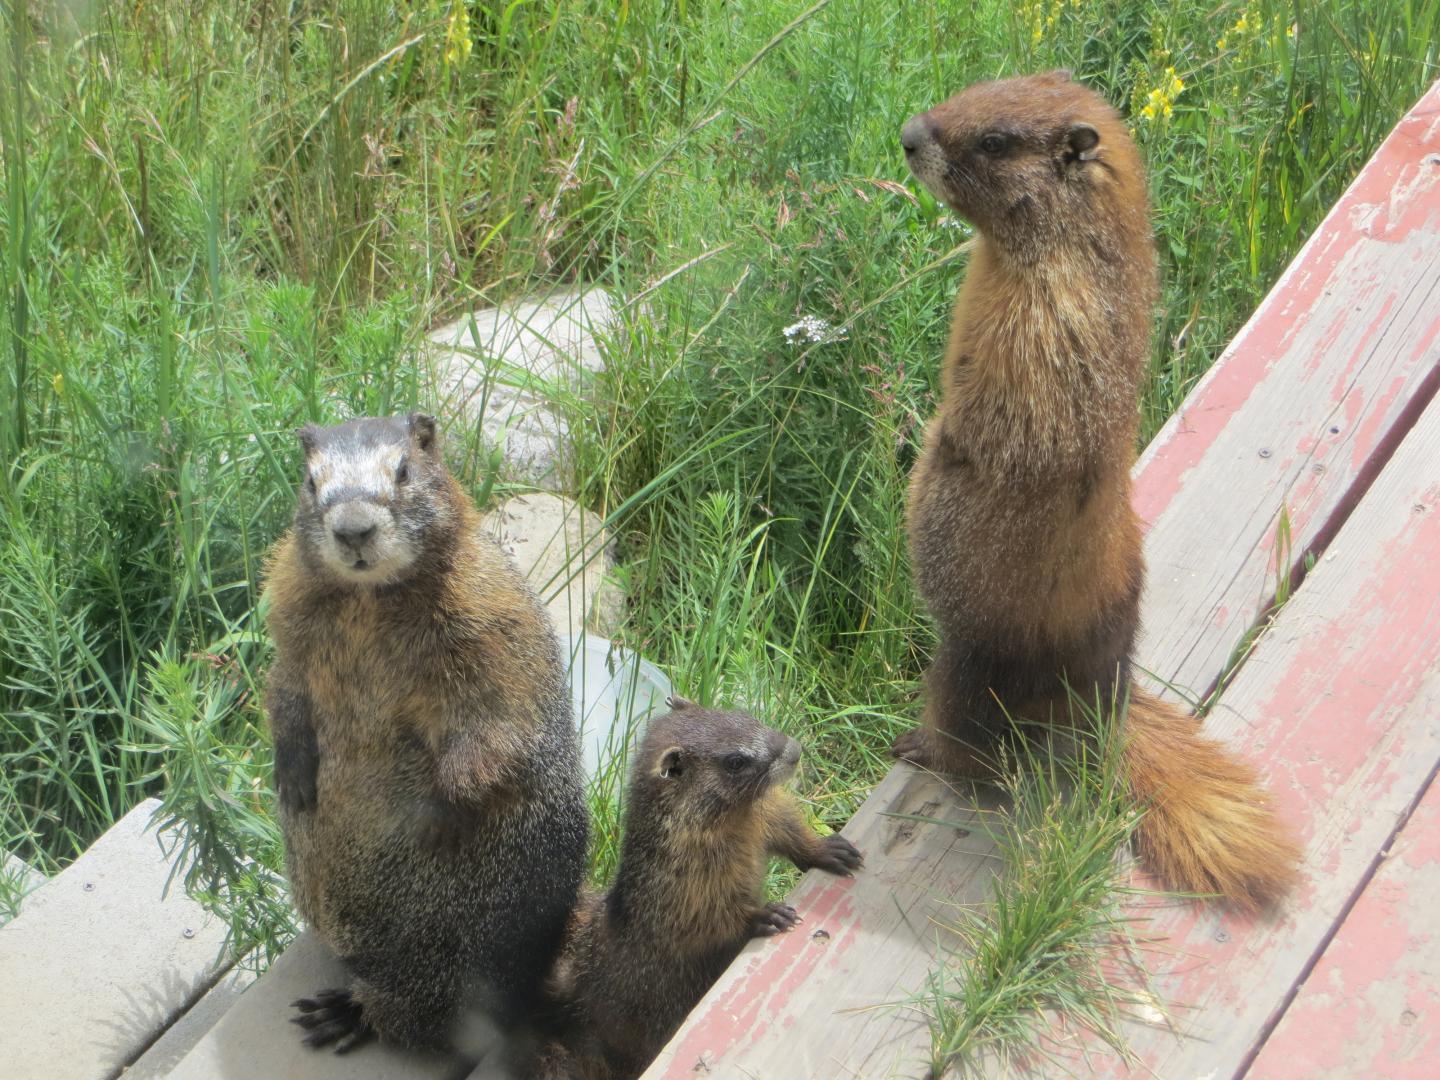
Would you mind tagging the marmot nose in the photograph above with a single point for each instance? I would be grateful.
(353, 534)
(915, 133)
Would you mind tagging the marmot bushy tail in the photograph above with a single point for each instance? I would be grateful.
(1025, 547)
(426, 758)
(1208, 827)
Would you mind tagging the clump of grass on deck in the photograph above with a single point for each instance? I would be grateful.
(1051, 947)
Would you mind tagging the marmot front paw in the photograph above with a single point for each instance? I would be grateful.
(913, 747)
(332, 1016)
(773, 919)
(839, 857)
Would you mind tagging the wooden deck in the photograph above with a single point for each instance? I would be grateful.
(1322, 413)
(1323, 410)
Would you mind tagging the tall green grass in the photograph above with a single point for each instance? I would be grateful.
(221, 220)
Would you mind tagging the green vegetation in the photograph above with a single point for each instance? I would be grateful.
(1054, 940)
(221, 220)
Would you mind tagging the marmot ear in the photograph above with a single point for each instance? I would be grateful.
(678, 703)
(422, 429)
(1059, 75)
(1082, 142)
(307, 436)
(671, 763)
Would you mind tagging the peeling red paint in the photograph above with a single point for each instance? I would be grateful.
(1303, 292)
(738, 1012)
(1333, 693)
(1371, 1007)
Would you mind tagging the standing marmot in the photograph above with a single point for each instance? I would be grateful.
(425, 756)
(1025, 547)
(706, 808)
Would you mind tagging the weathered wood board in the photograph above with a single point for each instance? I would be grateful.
(1312, 394)
(255, 1038)
(834, 997)
(1371, 1006)
(101, 960)
(1339, 706)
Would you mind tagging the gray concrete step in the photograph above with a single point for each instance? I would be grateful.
(255, 1038)
(102, 960)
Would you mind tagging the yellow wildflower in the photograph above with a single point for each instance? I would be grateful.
(58, 384)
(1220, 42)
(1161, 100)
(457, 35)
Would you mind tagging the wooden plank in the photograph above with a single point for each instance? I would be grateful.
(830, 998)
(255, 1038)
(1339, 706)
(1318, 386)
(101, 959)
(1371, 1007)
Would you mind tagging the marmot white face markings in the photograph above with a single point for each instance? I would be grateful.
(357, 476)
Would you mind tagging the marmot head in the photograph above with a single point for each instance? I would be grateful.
(1029, 161)
(696, 766)
(373, 497)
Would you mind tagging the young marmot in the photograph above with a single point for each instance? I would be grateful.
(705, 810)
(1025, 548)
(426, 759)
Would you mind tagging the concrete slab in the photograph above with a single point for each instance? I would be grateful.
(182, 1036)
(505, 368)
(255, 1038)
(101, 960)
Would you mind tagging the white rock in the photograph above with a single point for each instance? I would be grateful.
(564, 552)
(507, 368)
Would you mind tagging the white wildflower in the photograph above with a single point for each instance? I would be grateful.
(812, 328)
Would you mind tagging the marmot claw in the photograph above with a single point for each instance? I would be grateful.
(774, 919)
(332, 1016)
(840, 856)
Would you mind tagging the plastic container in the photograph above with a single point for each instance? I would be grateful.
(615, 692)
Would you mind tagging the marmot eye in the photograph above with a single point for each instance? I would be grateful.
(994, 143)
(736, 762)
(402, 473)
(310, 484)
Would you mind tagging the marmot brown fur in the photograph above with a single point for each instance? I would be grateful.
(705, 810)
(426, 759)
(1025, 547)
